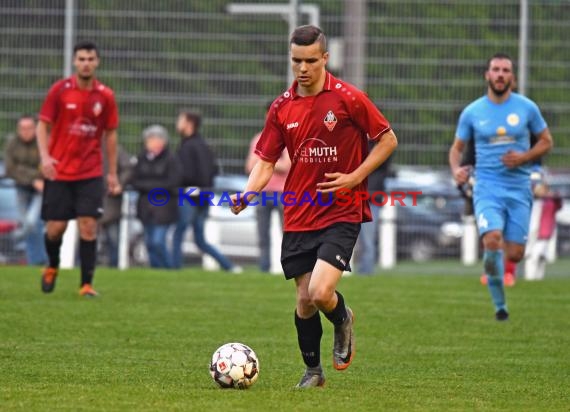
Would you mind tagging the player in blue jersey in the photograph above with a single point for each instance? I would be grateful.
(500, 123)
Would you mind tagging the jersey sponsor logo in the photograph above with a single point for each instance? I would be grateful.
(292, 125)
(330, 120)
(513, 119)
(83, 127)
(71, 106)
(501, 139)
(482, 223)
(97, 108)
(315, 151)
(501, 131)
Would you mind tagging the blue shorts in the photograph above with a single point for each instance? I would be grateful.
(503, 208)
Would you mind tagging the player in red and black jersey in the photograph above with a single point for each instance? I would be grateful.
(76, 115)
(325, 124)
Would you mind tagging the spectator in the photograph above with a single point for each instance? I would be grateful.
(264, 210)
(22, 160)
(156, 177)
(198, 166)
(549, 203)
(367, 243)
(112, 203)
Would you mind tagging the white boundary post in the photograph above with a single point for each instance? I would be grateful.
(276, 235)
(387, 245)
(469, 241)
(69, 245)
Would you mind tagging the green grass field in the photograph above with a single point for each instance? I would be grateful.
(426, 341)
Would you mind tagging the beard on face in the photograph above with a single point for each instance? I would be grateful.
(500, 92)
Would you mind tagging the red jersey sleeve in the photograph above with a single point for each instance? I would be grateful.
(113, 114)
(367, 116)
(48, 112)
(270, 144)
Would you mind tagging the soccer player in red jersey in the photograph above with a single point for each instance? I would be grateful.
(76, 115)
(324, 123)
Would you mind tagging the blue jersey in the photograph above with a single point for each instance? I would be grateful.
(497, 129)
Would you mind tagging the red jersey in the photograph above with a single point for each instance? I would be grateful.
(325, 133)
(78, 119)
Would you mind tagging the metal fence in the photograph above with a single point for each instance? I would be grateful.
(421, 61)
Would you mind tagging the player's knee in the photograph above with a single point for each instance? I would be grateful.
(493, 240)
(321, 297)
(515, 255)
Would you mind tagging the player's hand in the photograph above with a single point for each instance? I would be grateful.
(47, 167)
(238, 203)
(461, 174)
(38, 185)
(513, 159)
(113, 185)
(336, 181)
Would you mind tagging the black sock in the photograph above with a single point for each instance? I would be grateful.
(52, 250)
(87, 252)
(338, 314)
(309, 333)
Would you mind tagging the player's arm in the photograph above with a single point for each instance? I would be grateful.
(47, 163)
(543, 145)
(110, 137)
(258, 179)
(460, 173)
(378, 155)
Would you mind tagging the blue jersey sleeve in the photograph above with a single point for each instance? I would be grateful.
(464, 131)
(537, 123)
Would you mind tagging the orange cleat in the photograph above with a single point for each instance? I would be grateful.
(509, 280)
(49, 275)
(483, 279)
(87, 291)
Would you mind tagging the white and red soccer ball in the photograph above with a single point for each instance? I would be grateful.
(234, 365)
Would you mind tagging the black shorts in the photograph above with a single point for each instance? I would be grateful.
(66, 200)
(333, 244)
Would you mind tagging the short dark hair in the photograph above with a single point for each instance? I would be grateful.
(307, 35)
(26, 116)
(192, 116)
(85, 45)
(502, 56)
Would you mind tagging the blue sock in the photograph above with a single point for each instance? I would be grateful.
(495, 268)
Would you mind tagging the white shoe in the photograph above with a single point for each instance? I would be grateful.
(236, 270)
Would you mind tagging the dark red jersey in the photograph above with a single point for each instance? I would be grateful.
(78, 119)
(325, 133)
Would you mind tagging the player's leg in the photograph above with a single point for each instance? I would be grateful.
(335, 251)
(493, 262)
(57, 209)
(490, 213)
(298, 257)
(309, 334)
(517, 223)
(88, 199)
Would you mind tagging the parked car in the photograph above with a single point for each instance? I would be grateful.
(433, 228)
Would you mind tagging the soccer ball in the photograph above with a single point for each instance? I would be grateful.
(234, 365)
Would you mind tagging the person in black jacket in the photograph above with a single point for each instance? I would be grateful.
(156, 178)
(198, 165)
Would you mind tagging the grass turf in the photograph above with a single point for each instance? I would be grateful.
(426, 340)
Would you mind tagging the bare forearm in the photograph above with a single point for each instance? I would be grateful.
(377, 156)
(111, 146)
(42, 138)
(542, 147)
(454, 158)
(259, 177)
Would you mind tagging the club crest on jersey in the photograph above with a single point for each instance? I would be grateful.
(97, 109)
(330, 120)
